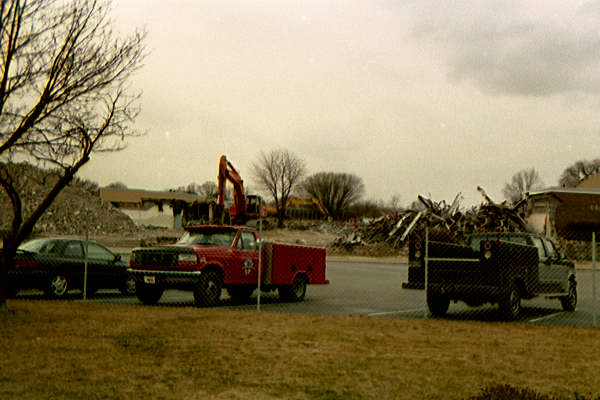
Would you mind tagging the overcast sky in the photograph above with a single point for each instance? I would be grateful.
(415, 97)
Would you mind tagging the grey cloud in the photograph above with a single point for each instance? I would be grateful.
(504, 50)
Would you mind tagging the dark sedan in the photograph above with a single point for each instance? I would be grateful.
(57, 265)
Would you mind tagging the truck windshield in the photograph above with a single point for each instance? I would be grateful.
(215, 238)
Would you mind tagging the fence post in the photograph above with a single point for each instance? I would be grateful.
(426, 277)
(594, 276)
(85, 254)
(260, 210)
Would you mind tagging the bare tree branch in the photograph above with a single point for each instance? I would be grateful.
(336, 191)
(63, 96)
(573, 175)
(522, 182)
(278, 173)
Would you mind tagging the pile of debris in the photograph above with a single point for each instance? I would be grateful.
(76, 209)
(445, 222)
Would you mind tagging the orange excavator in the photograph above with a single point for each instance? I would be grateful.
(246, 209)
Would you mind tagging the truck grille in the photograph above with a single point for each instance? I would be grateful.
(155, 258)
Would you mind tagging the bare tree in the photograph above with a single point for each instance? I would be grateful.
(521, 183)
(63, 96)
(336, 191)
(278, 172)
(208, 190)
(573, 175)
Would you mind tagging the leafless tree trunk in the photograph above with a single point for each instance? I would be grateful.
(63, 96)
(278, 172)
(521, 183)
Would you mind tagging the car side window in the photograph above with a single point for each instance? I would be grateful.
(74, 250)
(537, 242)
(97, 252)
(51, 248)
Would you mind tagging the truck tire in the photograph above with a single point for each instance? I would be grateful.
(569, 302)
(437, 303)
(294, 292)
(510, 304)
(207, 292)
(147, 294)
(240, 293)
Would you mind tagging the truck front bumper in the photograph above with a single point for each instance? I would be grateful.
(166, 279)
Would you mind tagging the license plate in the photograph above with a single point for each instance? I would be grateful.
(149, 280)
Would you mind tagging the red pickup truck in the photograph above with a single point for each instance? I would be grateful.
(209, 258)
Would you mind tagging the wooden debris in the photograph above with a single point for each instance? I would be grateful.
(446, 222)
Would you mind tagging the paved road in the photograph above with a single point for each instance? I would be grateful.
(374, 289)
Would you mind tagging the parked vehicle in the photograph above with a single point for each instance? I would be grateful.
(57, 265)
(497, 268)
(209, 258)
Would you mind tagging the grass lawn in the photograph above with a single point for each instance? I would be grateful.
(75, 350)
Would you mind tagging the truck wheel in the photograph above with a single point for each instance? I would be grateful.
(569, 302)
(58, 286)
(240, 293)
(149, 295)
(510, 304)
(437, 303)
(294, 292)
(208, 290)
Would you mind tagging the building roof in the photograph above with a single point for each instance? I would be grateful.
(138, 196)
(561, 190)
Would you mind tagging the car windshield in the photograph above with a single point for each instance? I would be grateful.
(217, 238)
(34, 246)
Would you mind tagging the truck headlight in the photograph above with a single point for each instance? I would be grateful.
(187, 258)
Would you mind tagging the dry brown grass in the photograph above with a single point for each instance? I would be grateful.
(71, 350)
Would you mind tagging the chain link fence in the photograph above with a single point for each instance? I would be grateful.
(494, 277)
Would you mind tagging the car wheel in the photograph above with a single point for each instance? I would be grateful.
(149, 294)
(437, 303)
(510, 304)
(128, 287)
(240, 293)
(569, 302)
(58, 286)
(294, 292)
(207, 292)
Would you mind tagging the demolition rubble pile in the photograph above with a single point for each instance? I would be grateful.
(446, 222)
(77, 204)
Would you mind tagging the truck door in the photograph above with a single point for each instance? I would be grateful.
(557, 269)
(245, 259)
(552, 276)
(543, 271)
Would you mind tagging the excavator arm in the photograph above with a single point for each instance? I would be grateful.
(227, 172)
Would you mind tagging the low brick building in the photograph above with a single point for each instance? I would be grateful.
(566, 213)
